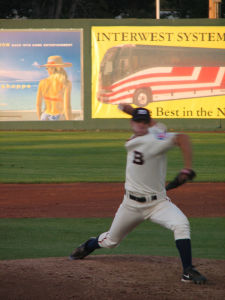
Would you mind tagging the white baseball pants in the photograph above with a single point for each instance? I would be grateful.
(131, 213)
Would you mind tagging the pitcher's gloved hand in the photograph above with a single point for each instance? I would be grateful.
(183, 176)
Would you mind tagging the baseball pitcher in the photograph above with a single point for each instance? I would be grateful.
(145, 195)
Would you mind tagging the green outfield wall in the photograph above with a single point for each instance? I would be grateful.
(88, 122)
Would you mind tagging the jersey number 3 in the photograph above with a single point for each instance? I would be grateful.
(138, 158)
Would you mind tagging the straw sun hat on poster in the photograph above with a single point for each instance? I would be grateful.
(56, 61)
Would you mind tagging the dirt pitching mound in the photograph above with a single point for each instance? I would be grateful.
(108, 277)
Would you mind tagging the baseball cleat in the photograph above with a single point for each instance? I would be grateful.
(81, 251)
(191, 274)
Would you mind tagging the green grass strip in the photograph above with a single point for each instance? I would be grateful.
(38, 157)
(35, 238)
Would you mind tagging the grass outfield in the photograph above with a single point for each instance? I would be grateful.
(35, 238)
(46, 157)
(38, 157)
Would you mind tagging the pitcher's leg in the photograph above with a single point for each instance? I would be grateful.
(170, 216)
(126, 219)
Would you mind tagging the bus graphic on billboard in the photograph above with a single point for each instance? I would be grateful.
(141, 74)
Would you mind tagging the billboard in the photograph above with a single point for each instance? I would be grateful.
(175, 72)
(41, 75)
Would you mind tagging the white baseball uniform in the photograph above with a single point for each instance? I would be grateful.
(145, 195)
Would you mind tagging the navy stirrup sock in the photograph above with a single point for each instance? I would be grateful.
(184, 248)
(92, 244)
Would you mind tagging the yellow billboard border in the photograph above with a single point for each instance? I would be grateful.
(105, 37)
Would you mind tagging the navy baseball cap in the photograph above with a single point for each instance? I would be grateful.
(141, 114)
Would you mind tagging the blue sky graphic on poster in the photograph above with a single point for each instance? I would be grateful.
(21, 54)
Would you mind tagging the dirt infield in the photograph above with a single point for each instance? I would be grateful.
(104, 276)
(80, 200)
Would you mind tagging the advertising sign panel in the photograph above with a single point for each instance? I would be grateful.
(176, 72)
(41, 75)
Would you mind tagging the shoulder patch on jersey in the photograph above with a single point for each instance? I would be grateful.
(161, 136)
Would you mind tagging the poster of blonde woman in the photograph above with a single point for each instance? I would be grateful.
(55, 92)
(41, 75)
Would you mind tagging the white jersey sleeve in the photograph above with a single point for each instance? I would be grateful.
(162, 142)
(158, 128)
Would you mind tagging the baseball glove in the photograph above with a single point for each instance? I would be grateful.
(183, 176)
